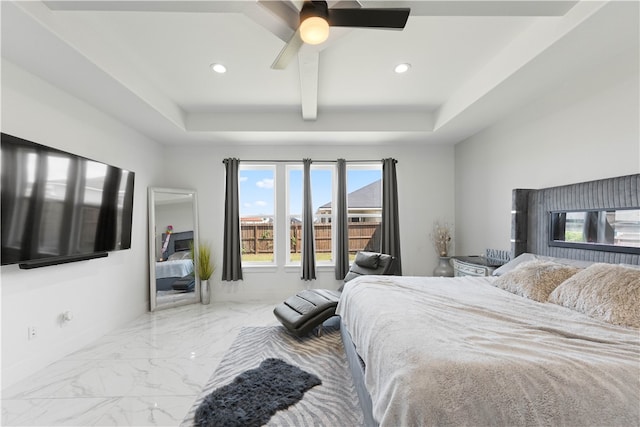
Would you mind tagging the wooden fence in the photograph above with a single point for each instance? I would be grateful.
(258, 238)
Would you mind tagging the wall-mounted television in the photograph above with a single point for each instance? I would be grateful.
(58, 207)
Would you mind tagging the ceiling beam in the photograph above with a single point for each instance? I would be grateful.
(308, 63)
(188, 6)
(331, 120)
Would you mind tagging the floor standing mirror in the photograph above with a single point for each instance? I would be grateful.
(173, 232)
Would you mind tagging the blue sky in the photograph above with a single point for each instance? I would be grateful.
(257, 188)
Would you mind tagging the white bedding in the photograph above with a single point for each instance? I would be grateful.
(458, 351)
(177, 268)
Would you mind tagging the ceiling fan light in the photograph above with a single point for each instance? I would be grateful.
(219, 68)
(314, 30)
(402, 68)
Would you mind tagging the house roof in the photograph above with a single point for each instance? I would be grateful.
(147, 64)
(367, 197)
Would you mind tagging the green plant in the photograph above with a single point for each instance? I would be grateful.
(204, 263)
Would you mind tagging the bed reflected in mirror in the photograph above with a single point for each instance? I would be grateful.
(173, 233)
(612, 230)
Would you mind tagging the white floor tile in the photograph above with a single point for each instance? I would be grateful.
(145, 374)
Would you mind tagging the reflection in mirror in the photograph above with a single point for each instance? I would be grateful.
(612, 230)
(173, 232)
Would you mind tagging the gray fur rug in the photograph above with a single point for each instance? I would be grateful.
(332, 403)
(252, 398)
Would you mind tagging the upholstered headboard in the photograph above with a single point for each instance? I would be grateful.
(178, 242)
(531, 218)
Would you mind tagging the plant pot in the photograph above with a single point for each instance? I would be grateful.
(444, 267)
(205, 292)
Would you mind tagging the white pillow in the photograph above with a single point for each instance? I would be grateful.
(179, 256)
(525, 257)
(535, 279)
(608, 292)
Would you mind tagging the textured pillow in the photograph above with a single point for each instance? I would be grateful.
(367, 259)
(526, 257)
(608, 292)
(535, 279)
(520, 259)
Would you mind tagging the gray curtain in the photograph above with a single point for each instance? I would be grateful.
(308, 244)
(231, 256)
(342, 225)
(390, 225)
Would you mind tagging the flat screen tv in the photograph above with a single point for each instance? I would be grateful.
(58, 207)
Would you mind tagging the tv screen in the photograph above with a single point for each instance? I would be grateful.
(56, 204)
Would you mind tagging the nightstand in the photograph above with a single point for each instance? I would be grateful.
(471, 266)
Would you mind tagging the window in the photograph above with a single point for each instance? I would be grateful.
(260, 213)
(364, 203)
(257, 214)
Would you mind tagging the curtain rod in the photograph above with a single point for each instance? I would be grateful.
(313, 161)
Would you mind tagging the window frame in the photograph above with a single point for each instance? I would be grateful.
(281, 217)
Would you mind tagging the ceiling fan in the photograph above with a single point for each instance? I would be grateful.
(315, 18)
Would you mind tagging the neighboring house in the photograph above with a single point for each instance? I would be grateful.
(365, 204)
(255, 220)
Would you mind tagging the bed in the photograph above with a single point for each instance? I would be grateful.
(178, 263)
(550, 340)
(167, 272)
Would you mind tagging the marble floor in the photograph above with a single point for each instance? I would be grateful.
(148, 373)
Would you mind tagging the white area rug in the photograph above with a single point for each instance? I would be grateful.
(334, 403)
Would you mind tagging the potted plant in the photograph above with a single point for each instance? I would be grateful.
(205, 269)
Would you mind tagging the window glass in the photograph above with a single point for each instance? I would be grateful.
(257, 213)
(364, 202)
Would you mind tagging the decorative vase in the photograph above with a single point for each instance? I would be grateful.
(444, 267)
(205, 293)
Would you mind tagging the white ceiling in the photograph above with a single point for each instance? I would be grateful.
(147, 64)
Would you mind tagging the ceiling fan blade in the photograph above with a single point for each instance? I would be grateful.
(286, 11)
(371, 18)
(288, 52)
(346, 4)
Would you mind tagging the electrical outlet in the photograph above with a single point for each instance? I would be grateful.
(32, 332)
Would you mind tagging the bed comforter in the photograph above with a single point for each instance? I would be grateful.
(458, 351)
(176, 268)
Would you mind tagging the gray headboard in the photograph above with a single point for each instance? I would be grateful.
(530, 226)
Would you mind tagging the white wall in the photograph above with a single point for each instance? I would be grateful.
(103, 293)
(585, 129)
(425, 186)
(106, 293)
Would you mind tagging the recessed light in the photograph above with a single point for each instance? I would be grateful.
(219, 68)
(402, 68)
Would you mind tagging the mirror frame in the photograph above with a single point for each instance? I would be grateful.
(153, 303)
(593, 246)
